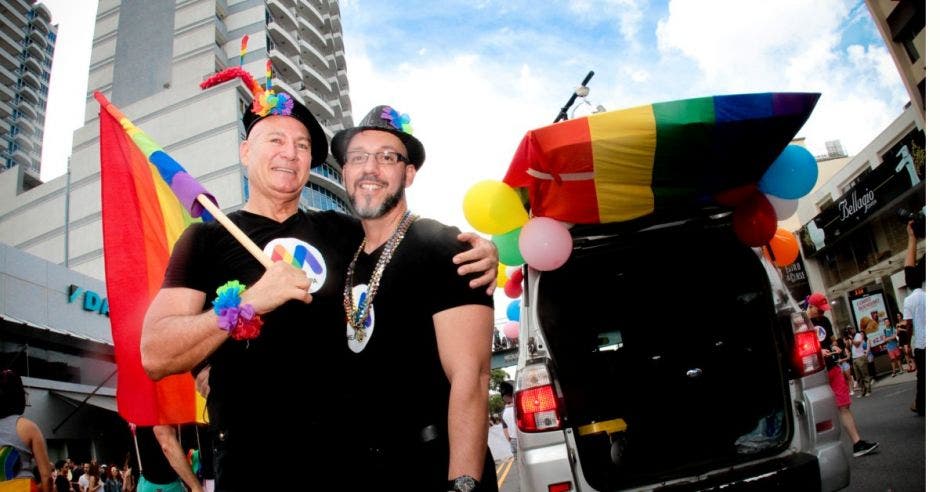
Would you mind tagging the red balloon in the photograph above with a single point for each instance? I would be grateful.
(755, 221)
(512, 289)
(732, 197)
(516, 276)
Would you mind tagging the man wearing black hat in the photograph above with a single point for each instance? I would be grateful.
(409, 318)
(268, 331)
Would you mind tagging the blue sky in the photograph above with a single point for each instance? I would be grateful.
(476, 75)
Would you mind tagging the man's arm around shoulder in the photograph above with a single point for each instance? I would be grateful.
(463, 339)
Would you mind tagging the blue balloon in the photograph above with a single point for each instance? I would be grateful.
(792, 175)
(512, 311)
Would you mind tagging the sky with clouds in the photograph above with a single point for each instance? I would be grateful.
(475, 75)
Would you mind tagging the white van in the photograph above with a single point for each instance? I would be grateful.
(669, 356)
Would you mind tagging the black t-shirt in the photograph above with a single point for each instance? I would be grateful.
(401, 347)
(62, 484)
(257, 386)
(825, 339)
(394, 384)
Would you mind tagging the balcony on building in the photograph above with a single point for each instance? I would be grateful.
(315, 80)
(340, 58)
(8, 44)
(284, 40)
(26, 126)
(318, 105)
(282, 13)
(31, 80)
(20, 157)
(32, 65)
(6, 94)
(285, 67)
(23, 141)
(35, 51)
(310, 10)
(43, 12)
(37, 37)
(27, 109)
(26, 92)
(11, 25)
(338, 43)
(327, 175)
(310, 56)
(7, 77)
(8, 61)
(19, 12)
(5, 110)
(310, 32)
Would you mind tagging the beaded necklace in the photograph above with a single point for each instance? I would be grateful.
(356, 316)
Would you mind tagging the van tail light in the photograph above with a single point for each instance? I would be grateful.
(538, 407)
(807, 354)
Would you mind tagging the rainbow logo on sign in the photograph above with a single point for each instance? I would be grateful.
(301, 255)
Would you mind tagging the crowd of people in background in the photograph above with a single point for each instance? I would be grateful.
(91, 477)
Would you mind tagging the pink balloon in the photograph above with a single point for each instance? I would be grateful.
(511, 330)
(545, 243)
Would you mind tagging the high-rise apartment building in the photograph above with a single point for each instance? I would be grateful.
(27, 41)
(148, 58)
(903, 25)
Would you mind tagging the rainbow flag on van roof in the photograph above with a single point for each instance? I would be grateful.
(625, 164)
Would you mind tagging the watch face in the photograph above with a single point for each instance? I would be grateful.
(465, 484)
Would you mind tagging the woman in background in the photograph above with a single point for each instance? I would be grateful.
(21, 435)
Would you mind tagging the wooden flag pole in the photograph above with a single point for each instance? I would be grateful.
(240, 236)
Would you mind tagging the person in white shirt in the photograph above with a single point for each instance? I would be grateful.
(915, 312)
(509, 414)
(497, 440)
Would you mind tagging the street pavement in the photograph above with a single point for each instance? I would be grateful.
(898, 465)
(900, 462)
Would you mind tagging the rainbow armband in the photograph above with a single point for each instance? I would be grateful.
(239, 320)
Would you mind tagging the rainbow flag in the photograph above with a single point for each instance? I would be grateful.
(625, 164)
(147, 200)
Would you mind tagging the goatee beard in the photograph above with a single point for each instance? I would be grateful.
(365, 212)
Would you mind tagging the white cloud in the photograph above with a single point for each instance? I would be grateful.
(469, 113)
(746, 46)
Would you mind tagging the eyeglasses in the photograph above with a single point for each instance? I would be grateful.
(384, 157)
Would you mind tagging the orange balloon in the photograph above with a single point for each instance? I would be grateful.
(784, 247)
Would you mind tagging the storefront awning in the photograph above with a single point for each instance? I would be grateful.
(76, 398)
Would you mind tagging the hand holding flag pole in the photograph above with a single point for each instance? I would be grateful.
(192, 195)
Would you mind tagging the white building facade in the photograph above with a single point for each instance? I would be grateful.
(148, 58)
(852, 240)
(27, 42)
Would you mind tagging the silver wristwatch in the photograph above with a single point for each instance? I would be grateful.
(463, 483)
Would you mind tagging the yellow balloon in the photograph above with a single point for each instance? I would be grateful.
(493, 207)
(501, 277)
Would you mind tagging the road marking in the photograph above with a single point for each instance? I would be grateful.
(503, 472)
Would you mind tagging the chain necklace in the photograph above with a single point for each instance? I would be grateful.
(356, 316)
